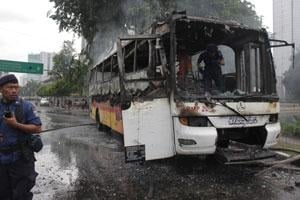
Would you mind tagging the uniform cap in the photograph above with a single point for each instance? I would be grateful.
(211, 48)
(9, 78)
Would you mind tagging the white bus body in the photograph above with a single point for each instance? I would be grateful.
(136, 91)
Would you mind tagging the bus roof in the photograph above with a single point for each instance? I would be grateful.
(162, 28)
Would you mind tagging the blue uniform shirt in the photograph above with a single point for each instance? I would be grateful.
(10, 136)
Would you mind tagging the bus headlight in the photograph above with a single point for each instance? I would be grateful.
(195, 121)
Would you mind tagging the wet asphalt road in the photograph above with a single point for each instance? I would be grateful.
(83, 163)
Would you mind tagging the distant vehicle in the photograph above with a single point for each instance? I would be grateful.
(44, 102)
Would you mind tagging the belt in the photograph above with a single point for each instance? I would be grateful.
(10, 149)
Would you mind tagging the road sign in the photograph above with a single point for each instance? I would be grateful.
(21, 67)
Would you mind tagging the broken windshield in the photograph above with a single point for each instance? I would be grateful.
(221, 61)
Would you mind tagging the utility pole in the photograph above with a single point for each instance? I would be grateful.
(292, 17)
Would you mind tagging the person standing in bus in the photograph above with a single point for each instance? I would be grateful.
(213, 59)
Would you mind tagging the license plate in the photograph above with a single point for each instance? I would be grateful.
(234, 120)
(135, 153)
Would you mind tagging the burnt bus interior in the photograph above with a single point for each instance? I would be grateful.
(248, 68)
(143, 74)
(248, 72)
(147, 60)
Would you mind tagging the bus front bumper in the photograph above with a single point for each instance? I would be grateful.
(202, 140)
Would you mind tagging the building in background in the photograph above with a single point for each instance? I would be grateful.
(47, 60)
(286, 26)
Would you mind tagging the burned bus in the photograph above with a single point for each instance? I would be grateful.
(139, 92)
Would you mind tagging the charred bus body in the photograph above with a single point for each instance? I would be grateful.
(138, 90)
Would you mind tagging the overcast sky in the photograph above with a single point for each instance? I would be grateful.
(264, 8)
(25, 28)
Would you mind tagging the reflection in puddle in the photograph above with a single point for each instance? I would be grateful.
(53, 176)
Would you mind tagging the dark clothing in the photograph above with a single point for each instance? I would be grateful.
(212, 70)
(10, 137)
(210, 61)
(215, 75)
(16, 180)
(17, 174)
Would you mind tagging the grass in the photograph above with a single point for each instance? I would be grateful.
(290, 131)
(285, 145)
(291, 128)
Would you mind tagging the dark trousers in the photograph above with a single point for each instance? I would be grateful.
(16, 180)
(213, 73)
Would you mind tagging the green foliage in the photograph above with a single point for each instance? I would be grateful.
(30, 89)
(87, 17)
(101, 21)
(45, 90)
(82, 16)
(68, 73)
(240, 11)
(291, 79)
(63, 60)
(291, 128)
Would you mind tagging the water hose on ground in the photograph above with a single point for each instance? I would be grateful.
(285, 149)
(54, 129)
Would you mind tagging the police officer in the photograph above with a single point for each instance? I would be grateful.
(212, 58)
(17, 172)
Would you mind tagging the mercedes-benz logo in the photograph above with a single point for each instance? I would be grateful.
(241, 106)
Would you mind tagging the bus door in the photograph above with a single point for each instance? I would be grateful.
(148, 131)
(147, 123)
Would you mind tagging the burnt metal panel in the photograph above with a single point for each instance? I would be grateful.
(172, 52)
(121, 67)
(247, 49)
(140, 37)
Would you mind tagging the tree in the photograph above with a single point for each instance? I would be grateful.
(88, 17)
(68, 73)
(62, 61)
(101, 21)
(291, 79)
(30, 89)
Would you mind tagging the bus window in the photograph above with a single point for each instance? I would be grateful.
(251, 69)
(93, 76)
(107, 70)
(129, 53)
(115, 66)
(229, 58)
(142, 55)
(191, 74)
(99, 74)
(255, 71)
(229, 68)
